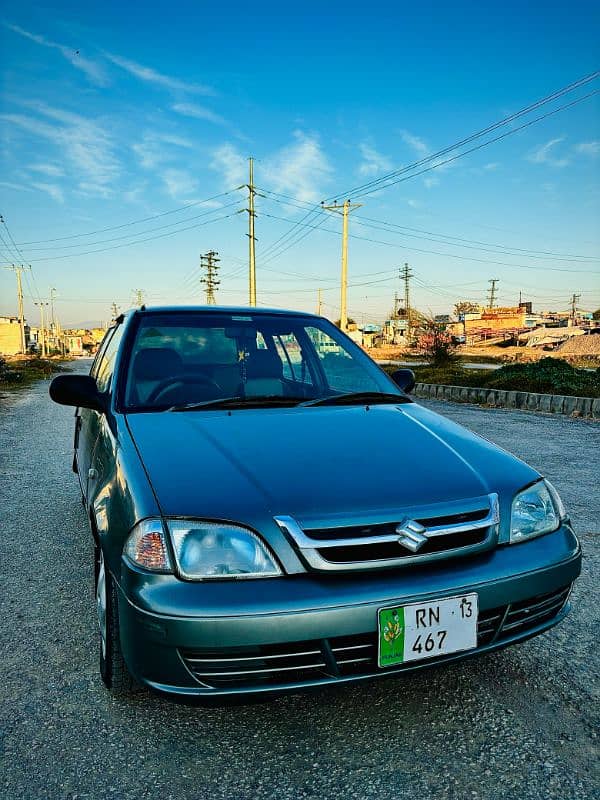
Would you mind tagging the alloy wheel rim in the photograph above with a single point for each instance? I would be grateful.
(101, 602)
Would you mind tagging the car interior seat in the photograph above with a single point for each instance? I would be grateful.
(264, 374)
(151, 366)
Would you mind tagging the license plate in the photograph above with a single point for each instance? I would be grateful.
(425, 630)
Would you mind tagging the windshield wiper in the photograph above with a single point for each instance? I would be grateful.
(237, 401)
(357, 398)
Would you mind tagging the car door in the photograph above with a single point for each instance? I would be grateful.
(87, 424)
(102, 452)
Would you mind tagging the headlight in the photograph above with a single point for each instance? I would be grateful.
(535, 511)
(147, 548)
(209, 550)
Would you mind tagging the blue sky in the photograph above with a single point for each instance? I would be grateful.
(112, 113)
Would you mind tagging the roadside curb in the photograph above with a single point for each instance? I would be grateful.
(502, 398)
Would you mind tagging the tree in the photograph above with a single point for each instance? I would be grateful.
(465, 307)
(436, 345)
(596, 314)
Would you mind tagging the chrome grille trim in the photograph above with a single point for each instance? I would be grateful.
(354, 654)
(310, 547)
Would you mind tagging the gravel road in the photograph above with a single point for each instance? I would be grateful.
(522, 723)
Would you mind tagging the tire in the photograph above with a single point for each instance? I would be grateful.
(113, 669)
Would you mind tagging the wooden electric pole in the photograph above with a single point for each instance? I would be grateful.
(344, 210)
(18, 269)
(251, 237)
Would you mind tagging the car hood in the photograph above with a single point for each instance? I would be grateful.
(319, 463)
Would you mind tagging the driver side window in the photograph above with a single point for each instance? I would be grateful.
(106, 365)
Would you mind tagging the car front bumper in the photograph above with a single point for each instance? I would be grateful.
(207, 639)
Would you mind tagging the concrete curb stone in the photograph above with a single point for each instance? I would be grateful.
(531, 401)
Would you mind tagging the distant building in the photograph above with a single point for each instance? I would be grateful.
(10, 336)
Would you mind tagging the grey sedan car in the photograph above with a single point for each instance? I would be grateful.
(271, 511)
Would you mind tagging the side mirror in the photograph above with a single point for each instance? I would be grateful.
(405, 379)
(77, 390)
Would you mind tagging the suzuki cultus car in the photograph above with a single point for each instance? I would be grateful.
(271, 511)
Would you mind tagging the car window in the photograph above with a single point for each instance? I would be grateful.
(184, 357)
(343, 371)
(295, 364)
(100, 352)
(106, 365)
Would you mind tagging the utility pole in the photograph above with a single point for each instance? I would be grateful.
(251, 237)
(492, 292)
(319, 301)
(209, 262)
(18, 269)
(138, 297)
(574, 300)
(41, 304)
(344, 210)
(114, 308)
(406, 275)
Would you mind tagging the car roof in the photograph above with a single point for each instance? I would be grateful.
(246, 310)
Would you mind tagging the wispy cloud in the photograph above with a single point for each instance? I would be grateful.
(545, 154)
(430, 181)
(84, 144)
(179, 183)
(373, 163)
(55, 192)
(588, 148)
(301, 168)
(94, 71)
(150, 75)
(198, 112)
(47, 169)
(493, 165)
(416, 144)
(231, 164)
(159, 148)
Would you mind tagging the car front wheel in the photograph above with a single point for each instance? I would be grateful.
(113, 669)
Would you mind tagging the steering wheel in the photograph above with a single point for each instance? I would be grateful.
(171, 382)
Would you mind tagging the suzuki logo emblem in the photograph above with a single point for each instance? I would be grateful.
(412, 535)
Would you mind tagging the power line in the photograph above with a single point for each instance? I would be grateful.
(440, 253)
(390, 227)
(141, 233)
(133, 222)
(137, 241)
(369, 185)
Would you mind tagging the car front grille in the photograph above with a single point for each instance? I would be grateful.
(341, 657)
(446, 534)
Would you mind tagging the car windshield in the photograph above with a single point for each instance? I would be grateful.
(186, 358)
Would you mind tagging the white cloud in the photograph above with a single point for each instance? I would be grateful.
(374, 163)
(231, 164)
(92, 69)
(299, 169)
(198, 112)
(493, 165)
(47, 169)
(178, 183)
(157, 148)
(430, 182)
(52, 189)
(415, 143)
(83, 143)
(151, 75)
(544, 154)
(588, 148)
(414, 203)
